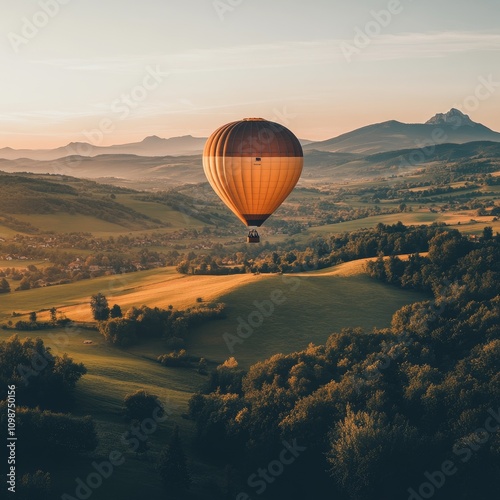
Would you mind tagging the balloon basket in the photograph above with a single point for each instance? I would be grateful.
(253, 237)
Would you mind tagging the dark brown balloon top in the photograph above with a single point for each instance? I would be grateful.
(253, 137)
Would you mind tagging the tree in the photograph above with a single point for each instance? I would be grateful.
(42, 379)
(36, 486)
(53, 314)
(33, 317)
(202, 366)
(487, 233)
(4, 286)
(24, 284)
(51, 437)
(363, 451)
(172, 465)
(183, 267)
(119, 331)
(141, 405)
(446, 248)
(99, 306)
(116, 311)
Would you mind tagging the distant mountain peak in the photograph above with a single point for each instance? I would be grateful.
(152, 138)
(452, 117)
(73, 144)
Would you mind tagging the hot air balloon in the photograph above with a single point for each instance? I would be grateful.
(253, 165)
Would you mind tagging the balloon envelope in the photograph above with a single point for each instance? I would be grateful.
(253, 165)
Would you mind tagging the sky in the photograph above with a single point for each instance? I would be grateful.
(116, 71)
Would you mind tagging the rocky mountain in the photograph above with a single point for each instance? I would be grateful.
(451, 127)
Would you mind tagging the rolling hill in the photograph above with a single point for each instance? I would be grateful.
(141, 172)
(162, 170)
(33, 202)
(113, 373)
(330, 299)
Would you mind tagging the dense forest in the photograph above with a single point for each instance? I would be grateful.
(404, 412)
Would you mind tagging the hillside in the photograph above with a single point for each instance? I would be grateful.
(161, 171)
(113, 373)
(332, 299)
(62, 203)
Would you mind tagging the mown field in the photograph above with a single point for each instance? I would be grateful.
(466, 221)
(157, 287)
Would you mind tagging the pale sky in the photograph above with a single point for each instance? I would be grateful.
(130, 68)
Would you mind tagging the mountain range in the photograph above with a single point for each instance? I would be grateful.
(379, 150)
(150, 146)
(451, 127)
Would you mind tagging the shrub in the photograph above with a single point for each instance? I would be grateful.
(141, 405)
(176, 358)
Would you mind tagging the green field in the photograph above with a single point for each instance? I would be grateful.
(7, 232)
(160, 211)
(313, 306)
(22, 264)
(66, 223)
(157, 287)
(456, 219)
(316, 305)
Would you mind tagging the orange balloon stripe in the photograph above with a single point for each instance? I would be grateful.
(249, 189)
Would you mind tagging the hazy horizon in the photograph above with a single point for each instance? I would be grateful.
(131, 71)
(85, 139)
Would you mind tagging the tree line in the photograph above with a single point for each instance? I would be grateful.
(318, 253)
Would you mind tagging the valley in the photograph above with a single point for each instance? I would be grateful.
(149, 234)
